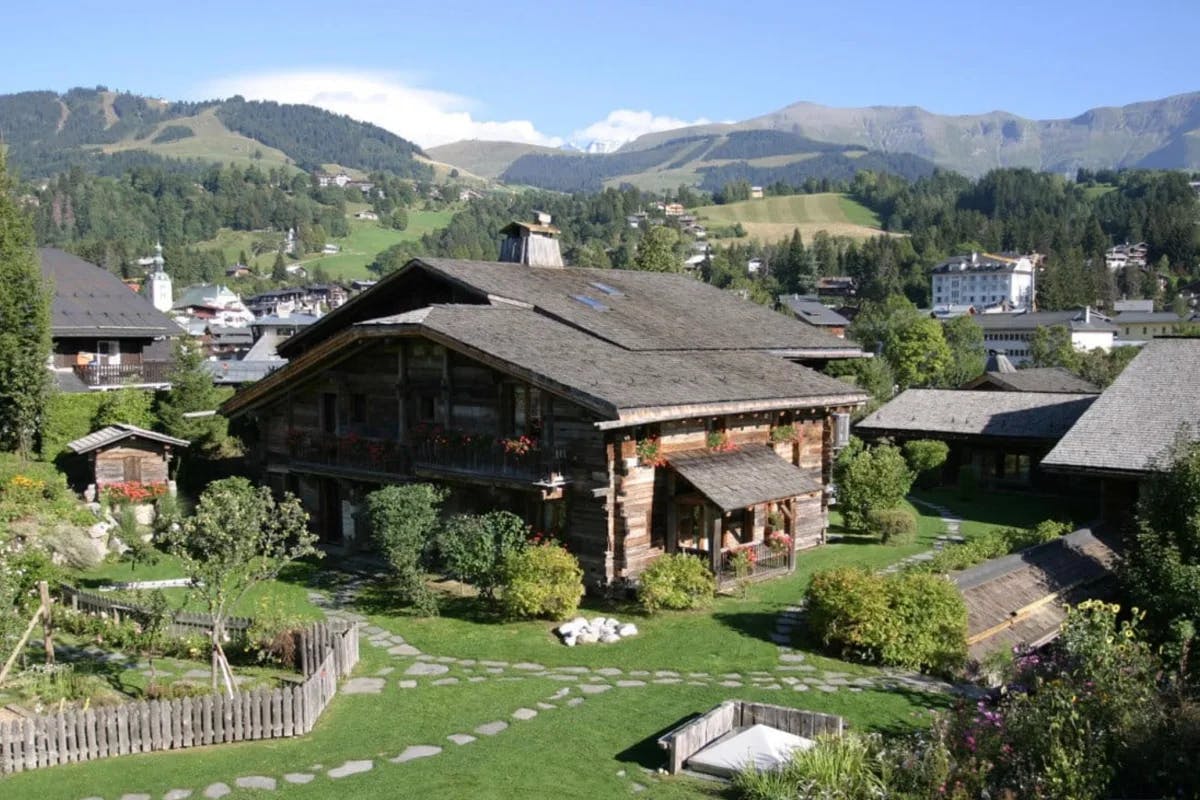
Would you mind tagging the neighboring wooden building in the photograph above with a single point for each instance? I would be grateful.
(1003, 435)
(1002, 376)
(632, 413)
(1127, 434)
(810, 310)
(123, 453)
(104, 335)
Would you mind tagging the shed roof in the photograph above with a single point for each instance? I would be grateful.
(1137, 419)
(636, 310)
(744, 477)
(1002, 415)
(90, 301)
(118, 432)
(1019, 598)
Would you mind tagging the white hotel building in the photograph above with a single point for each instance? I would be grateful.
(983, 280)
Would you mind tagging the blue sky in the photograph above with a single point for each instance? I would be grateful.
(552, 72)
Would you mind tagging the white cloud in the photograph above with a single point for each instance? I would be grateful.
(425, 116)
(625, 125)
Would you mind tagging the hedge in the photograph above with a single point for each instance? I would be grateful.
(911, 620)
(676, 581)
(993, 544)
(67, 417)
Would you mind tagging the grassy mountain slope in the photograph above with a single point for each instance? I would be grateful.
(708, 161)
(485, 159)
(1159, 133)
(772, 218)
(107, 132)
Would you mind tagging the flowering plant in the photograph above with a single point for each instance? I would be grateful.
(718, 442)
(519, 445)
(117, 494)
(779, 542)
(783, 433)
(22, 489)
(649, 452)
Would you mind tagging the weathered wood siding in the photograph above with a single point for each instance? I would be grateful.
(110, 464)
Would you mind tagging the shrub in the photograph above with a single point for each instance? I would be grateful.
(542, 581)
(402, 520)
(869, 478)
(676, 581)
(848, 766)
(993, 544)
(476, 547)
(924, 456)
(911, 620)
(68, 417)
(895, 526)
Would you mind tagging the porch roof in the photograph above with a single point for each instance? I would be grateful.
(740, 478)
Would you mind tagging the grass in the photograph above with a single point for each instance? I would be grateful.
(990, 510)
(212, 142)
(773, 218)
(596, 750)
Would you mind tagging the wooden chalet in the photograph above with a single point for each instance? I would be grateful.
(1003, 436)
(104, 335)
(632, 413)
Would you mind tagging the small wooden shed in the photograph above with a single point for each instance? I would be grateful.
(123, 453)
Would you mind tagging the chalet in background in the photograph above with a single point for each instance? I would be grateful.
(1127, 434)
(104, 335)
(632, 413)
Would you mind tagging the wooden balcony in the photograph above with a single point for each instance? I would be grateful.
(485, 461)
(115, 375)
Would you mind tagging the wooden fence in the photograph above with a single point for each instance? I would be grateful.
(186, 623)
(697, 733)
(327, 652)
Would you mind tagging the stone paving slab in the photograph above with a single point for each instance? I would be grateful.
(425, 668)
(217, 790)
(299, 777)
(630, 683)
(594, 688)
(256, 782)
(461, 738)
(416, 751)
(178, 794)
(491, 728)
(524, 714)
(363, 686)
(351, 768)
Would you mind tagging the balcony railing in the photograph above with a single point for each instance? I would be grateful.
(124, 374)
(761, 561)
(480, 457)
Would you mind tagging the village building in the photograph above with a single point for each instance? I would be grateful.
(1126, 436)
(632, 413)
(366, 215)
(984, 279)
(103, 335)
(1140, 326)
(809, 310)
(838, 287)
(124, 453)
(216, 305)
(1000, 375)
(1126, 255)
(1002, 437)
(157, 286)
(1011, 333)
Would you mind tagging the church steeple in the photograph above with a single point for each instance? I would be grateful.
(158, 283)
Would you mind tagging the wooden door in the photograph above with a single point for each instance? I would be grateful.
(132, 468)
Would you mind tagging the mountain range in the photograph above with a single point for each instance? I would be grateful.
(1162, 134)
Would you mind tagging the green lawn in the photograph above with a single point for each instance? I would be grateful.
(598, 749)
(773, 218)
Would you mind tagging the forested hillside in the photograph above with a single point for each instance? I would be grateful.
(109, 132)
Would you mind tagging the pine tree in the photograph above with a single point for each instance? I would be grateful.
(191, 390)
(24, 325)
(279, 268)
(656, 253)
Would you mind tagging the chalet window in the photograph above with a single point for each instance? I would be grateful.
(329, 412)
(841, 430)
(358, 408)
(425, 408)
(108, 351)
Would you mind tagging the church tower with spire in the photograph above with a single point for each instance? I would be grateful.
(158, 283)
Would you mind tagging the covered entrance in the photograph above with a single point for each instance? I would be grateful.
(737, 510)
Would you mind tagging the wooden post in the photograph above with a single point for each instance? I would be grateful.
(716, 528)
(47, 622)
(672, 538)
(20, 645)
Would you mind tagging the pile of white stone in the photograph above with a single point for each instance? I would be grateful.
(598, 629)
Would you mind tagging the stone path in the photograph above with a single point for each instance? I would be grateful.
(414, 669)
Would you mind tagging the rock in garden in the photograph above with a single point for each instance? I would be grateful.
(628, 629)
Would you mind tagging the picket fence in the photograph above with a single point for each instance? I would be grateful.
(185, 623)
(326, 652)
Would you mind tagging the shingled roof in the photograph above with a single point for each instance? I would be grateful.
(1020, 598)
(625, 386)
(119, 432)
(635, 310)
(1036, 379)
(741, 478)
(90, 301)
(1139, 416)
(963, 413)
